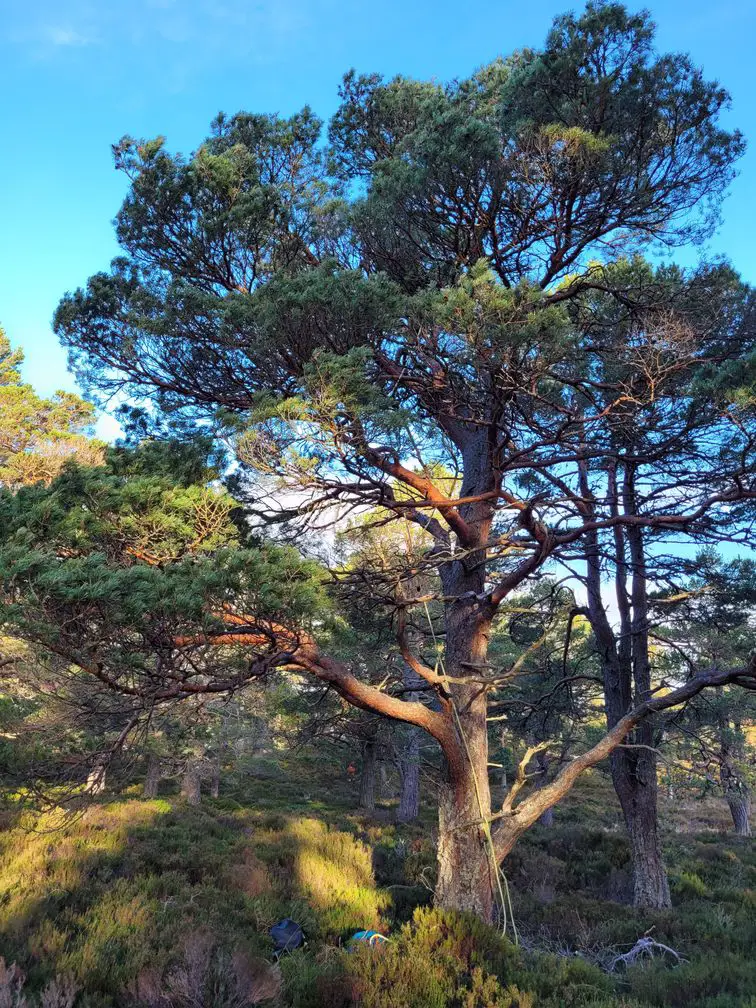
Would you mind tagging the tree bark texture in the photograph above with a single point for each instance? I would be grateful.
(190, 785)
(626, 673)
(466, 874)
(152, 778)
(368, 775)
(409, 770)
(735, 787)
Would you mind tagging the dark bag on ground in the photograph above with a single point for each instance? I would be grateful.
(287, 935)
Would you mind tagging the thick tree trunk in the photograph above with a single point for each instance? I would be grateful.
(190, 785)
(466, 867)
(409, 769)
(465, 872)
(152, 778)
(740, 810)
(368, 776)
(634, 777)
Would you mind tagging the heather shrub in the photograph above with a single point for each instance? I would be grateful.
(715, 981)
(329, 870)
(688, 884)
(208, 975)
(313, 980)
(60, 992)
(440, 960)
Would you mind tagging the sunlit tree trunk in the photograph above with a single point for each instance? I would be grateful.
(466, 867)
(97, 778)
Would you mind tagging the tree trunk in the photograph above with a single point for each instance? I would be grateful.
(409, 769)
(409, 760)
(367, 778)
(626, 670)
(382, 781)
(740, 810)
(547, 819)
(215, 781)
(634, 777)
(737, 793)
(466, 866)
(96, 781)
(152, 778)
(736, 790)
(190, 785)
(650, 886)
(542, 762)
(465, 872)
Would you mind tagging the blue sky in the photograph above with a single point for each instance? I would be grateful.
(76, 75)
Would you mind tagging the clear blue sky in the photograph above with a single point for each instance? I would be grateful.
(78, 74)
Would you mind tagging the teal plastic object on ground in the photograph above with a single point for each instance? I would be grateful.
(373, 938)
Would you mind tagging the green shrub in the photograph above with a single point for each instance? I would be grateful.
(330, 871)
(314, 980)
(685, 884)
(716, 981)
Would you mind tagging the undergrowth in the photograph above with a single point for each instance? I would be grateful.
(136, 904)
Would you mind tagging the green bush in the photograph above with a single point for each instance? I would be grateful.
(686, 884)
(716, 981)
(440, 960)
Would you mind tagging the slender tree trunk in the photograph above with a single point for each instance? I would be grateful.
(626, 670)
(409, 760)
(736, 790)
(215, 781)
(190, 785)
(152, 778)
(635, 783)
(542, 762)
(97, 779)
(409, 769)
(368, 776)
(650, 885)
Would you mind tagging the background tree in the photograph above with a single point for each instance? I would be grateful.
(710, 618)
(38, 436)
(123, 585)
(655, 434)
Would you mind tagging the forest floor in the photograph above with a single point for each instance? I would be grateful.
(154, 903)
